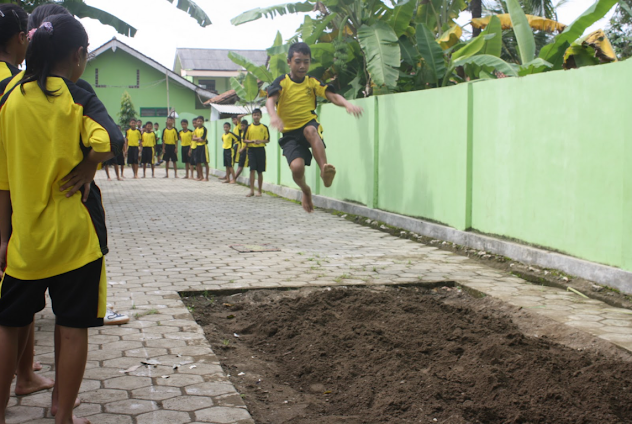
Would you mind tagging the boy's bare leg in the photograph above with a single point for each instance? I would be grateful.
(232, 171)
(199, 172)
(298, 173)
(252, 183)
(135, 169)
(167, 170)
(27, 381)
(175, 169)
(123, 171)
(70, 364)
(327, 171)
(239, 171)
(144, 170)
(107, 172)
(260, 178)
(152, 171)
(207, 171)
(186, 169)
(226, 179)
(116, 171)
(55, 397)
(8, 362)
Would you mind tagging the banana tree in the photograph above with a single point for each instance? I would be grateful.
(80, 9)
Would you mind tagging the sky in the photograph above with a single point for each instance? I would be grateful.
(162, 27)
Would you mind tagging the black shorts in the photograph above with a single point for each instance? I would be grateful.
(228, 157)
(147, 156)
(184, 152)
(243, 159)
(193, 156)
(158, 149)
(170, 153)
(295, 145)
(78, 297)
(200, 152)
(120, 159)
(257, 158)
(132, 155)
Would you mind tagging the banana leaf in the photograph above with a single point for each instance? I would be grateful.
(535, 22)
(251, 88)
(195, 11)
(482, 60)
(379, 44)
(271, 12)
(431, 52)
(450, 37)
(239, 89)
(471, 48)
(494, 45)
(522, 31)
(401, 16)
(410, 54)
(258, 71)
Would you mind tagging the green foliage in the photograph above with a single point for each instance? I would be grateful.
(522, 31)
(619, 30)
(379, 44)
(80, 9)
(127, 112)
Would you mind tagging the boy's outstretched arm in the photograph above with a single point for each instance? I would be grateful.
(275, 121)
(338, 100)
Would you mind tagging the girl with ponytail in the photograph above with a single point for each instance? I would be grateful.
(53, 134)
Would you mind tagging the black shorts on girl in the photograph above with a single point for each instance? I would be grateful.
(295, 145)
(78, 297)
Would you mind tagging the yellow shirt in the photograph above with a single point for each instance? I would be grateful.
(170, 136)
(52, 234)
(228, 139)
(237, 130)
(133, 137)
(200, 133)
(149, 139)
(257, 132)
(186, 137)
(297, 100)
(7, 70)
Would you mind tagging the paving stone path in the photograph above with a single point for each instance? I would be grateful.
(167, 236)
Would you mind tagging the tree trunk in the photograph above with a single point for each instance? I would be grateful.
(476, 7)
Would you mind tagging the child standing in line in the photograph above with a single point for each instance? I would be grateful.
(186, 136)
(228, 139)
(242, 150)
(200, 137)
(133, 138)
(193, 150)
(256, 137)
(158, 148)
(148, 143)
(291, 102)
(170, 143)
(58, 238)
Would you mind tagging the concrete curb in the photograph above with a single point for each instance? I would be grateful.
(602, 274)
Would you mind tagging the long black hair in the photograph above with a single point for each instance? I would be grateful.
(13, 20)
(44, 11)
(55, 39)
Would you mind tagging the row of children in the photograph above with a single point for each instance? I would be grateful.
(54, 132)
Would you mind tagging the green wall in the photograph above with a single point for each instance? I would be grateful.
(118, 71)
(543, 160)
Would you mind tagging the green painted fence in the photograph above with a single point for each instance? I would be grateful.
(544, 160)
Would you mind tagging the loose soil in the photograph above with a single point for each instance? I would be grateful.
(409, 355)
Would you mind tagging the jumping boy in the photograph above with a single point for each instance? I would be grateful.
(132, 142)
(170, 143)
(228, 139)
(256, 137)
(242, 150)
(200, 137)
(294, 96)
(148, 144)
(186, 136)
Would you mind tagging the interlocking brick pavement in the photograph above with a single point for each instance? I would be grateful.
(167, 236)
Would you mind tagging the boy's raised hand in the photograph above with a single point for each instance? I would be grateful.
(354, 110)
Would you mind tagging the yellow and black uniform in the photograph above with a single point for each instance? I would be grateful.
(237, 145)
(170, 143)
(201, 152)
(7, 71)
(57, 242)
(296, 107)
(186, 137)
(149, 142)
(133, 139)
(228, 139)
(257, 151)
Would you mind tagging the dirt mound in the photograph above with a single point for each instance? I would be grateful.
(356, 355)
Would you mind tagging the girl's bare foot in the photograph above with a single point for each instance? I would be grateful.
(307, 203)
(206, 179)
(250, 194)
(186, 178)
(328, 174)
(35, 383)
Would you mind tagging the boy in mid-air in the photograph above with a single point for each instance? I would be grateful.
(256, 137)
(228, 139)
(186, 136)
(294, 97)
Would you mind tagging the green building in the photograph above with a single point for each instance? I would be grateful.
(115, 68)
(211, 68)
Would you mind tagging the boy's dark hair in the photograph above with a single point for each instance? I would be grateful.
(44, 11)
(13, 20)
(200, 117)
(244, 121)
(257, 111)
(54, 40)
(149, 123)
(184, 121)
(299, 48)
(227, 123)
